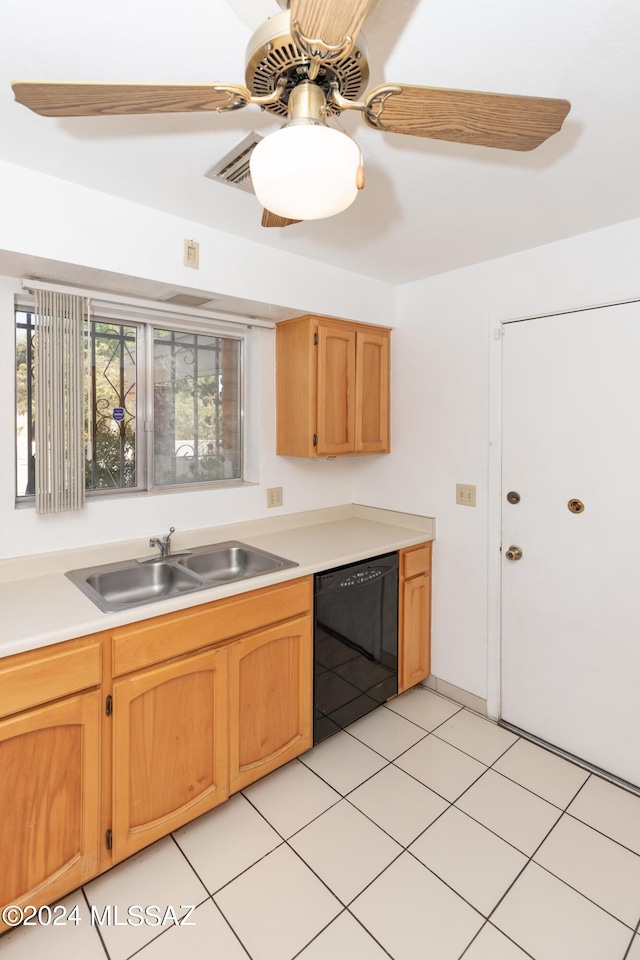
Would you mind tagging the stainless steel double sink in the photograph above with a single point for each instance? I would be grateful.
(131, 583)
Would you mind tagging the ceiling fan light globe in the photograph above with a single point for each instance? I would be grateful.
(305, 171)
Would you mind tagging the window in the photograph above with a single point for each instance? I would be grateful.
(164, 407)
(196, 385)
(111, 461)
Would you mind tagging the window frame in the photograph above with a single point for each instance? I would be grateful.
(141, 375)
(149, 455)
(146, 322)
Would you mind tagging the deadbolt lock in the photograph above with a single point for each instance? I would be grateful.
(513, 553)
(513, 497)
(576, 506)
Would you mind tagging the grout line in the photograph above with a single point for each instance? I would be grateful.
(231, 927)
(583, 895)
(324, 883)
(578, 791)
(227, 882)
(562, 754)
(447, 884)
(473, 757)
(590, 825)
(602, 834)
(436, 693)
(530, 792)
(367, 931)
(313, 819)
(474, 781)
(156, 937)
(415, 723)
(481, 824)
(387, 759)
(246, 869)
(432, 733)
(314, 938)
(140, 950)
(632, 941)
(204, 886)
(318, 877)
(531, 860)
(468, 946)
(487, 923)
(371, 820)
(96, 926)
(346, 908)
(373, 880)
(370, 777)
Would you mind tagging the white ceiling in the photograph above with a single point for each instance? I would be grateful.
(428, 206)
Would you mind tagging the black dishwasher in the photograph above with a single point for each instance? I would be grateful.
(355, 642)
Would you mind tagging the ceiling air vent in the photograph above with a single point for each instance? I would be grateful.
(188, 300)
(234, 166)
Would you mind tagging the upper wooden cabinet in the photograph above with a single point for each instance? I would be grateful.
(332, 394)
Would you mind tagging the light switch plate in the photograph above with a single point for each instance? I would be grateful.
(465, 494)
(192, 254)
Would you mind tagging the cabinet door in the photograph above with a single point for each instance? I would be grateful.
(170, 748)
(49, 798)
(336, 389)
(372, 392)
(270, 700)
(415, 630)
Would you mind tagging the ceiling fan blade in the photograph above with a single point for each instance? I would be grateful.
(466, 116)
(105, 99)
(330, 21)
(273, 220)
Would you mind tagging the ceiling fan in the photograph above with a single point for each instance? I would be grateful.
(306, 64)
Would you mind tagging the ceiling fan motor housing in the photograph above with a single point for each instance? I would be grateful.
(272, 55)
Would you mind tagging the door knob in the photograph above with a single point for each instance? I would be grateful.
(513, 553)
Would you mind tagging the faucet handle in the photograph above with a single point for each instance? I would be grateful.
(163, 543)
(166, 542)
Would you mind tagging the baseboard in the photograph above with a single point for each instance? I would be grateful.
(446, 689)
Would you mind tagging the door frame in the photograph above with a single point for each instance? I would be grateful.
(497, 321)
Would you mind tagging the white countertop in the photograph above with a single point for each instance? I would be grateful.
(40, 610)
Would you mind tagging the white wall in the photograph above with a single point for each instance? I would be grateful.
(47, 217)
(307, 484)
(440, 379)
(57, 220)
(440, 391)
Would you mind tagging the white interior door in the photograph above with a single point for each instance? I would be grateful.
(571, 604)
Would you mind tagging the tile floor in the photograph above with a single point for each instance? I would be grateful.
(423, 831)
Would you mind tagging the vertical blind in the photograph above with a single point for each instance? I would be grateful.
(59, 345)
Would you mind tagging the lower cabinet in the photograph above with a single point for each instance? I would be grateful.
(270, 709)
(109, 742)
(205, 701)
(49, 800)
(169, 747)
(414, 616)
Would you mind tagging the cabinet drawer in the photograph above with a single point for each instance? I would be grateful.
(152, 641)
(416, 560)
(40, 676)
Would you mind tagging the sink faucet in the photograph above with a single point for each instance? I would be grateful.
(163, 543)
(164, 546)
